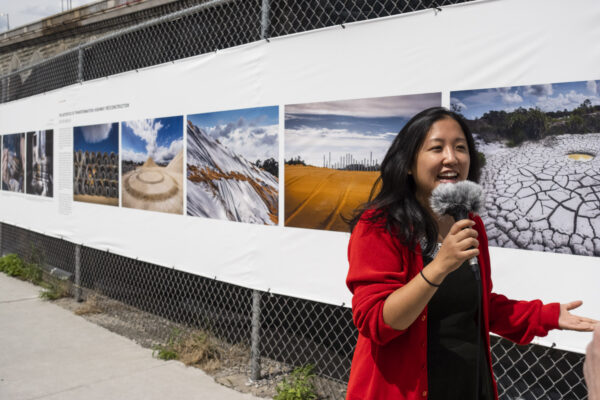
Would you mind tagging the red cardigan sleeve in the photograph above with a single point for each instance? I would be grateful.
(377, 268)
(519, 321)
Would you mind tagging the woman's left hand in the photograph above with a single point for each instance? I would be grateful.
(572, 322)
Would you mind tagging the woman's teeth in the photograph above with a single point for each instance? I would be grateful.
(448, 176)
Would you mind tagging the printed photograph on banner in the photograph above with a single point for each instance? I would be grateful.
(96, 164)
(232, 165)
(13, 162)
(40, 163)
(541, 150)
(152, 164)
(333, 152)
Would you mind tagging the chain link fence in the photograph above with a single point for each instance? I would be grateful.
(202, 27)
(273, 333)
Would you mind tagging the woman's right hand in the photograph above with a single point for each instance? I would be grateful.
(459, 245)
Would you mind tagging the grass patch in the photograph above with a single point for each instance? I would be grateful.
(53, 290)
(193, 349)
(91, 306)
(299, 385)
(30, 270)
(168, 350)
(15, 266)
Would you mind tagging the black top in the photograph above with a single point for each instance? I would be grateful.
(452, 342)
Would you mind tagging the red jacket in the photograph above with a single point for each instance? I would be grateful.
(392, 364)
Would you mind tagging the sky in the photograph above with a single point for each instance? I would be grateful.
(102, 138)
(158, 138)
(23, 12)
(250, 132)
(364, 128)
(546, 97)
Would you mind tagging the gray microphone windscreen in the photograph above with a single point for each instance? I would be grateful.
(450, 198)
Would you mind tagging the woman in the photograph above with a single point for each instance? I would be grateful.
(418, 335)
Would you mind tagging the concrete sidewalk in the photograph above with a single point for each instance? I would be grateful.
(47, 352)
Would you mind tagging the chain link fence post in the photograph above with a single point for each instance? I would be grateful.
(265, 19)
(78, 273)
(1, 250)
(255, 337)
(80, 64)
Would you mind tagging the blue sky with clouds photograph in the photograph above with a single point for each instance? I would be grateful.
(364, 128)
(158, 138)
(101, 137)
(547, 97)
(250, 132)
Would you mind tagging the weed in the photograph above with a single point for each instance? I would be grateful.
(12, 265)
(164, 352)
(199, 349)
(53, 291)
(91, 306)
(167, 351)
(299, 385)
(196, 348)
(32, 273)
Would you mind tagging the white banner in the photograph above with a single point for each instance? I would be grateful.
(427, 55)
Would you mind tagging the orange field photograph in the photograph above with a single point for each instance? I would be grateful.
(333, 152)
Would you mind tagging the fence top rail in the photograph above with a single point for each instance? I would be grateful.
(143, 25)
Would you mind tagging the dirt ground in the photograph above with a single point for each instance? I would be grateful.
(148, 330)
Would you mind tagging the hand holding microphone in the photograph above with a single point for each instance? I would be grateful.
(459, 245)
(458, 200)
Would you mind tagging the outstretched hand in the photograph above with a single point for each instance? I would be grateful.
(572, 322)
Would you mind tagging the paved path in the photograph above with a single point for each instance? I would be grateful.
(49, 353)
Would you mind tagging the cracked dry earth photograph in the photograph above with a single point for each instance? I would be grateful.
(541, 176)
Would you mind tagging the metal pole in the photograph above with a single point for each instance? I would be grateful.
(80, 65)
(265, 22)
(255, 337)
(78, 273)
(1, 251)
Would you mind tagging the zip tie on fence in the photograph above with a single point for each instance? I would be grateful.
(437, 10)
(343, 26)
(343, 304)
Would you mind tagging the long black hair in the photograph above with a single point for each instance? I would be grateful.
(393, 195)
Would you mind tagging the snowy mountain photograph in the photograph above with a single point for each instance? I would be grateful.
(232, 165)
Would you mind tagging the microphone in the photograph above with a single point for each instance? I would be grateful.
(457, 200)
